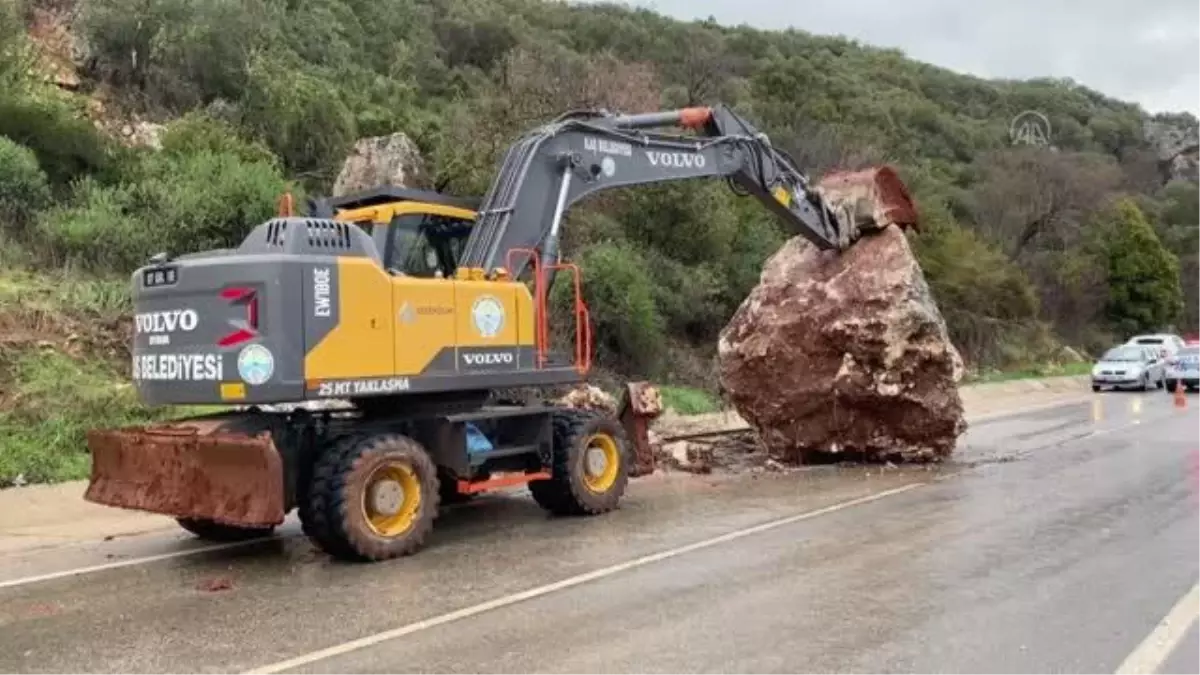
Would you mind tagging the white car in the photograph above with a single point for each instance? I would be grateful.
(1166, 343)
(1128, 366)
(1184, 367)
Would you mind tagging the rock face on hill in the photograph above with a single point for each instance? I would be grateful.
(844, 356)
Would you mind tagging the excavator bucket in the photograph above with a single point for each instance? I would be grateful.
(870, 199)
(189, 469)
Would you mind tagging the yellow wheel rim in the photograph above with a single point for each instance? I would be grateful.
(391, 499)
(601, 462)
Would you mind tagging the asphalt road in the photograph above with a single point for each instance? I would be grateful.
(1057, 541)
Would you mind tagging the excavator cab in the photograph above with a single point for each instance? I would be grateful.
(417, 232)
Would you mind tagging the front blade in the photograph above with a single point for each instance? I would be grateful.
(188, 470)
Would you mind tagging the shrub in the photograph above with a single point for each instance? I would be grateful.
(66, 145)
(174, 202)
(24, 188)
(627, 327)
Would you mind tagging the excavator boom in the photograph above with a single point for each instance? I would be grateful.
(556, 165)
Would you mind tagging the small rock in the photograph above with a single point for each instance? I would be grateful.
(678, 451)
(589, 397)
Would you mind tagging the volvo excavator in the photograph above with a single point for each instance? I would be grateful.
(328, 306)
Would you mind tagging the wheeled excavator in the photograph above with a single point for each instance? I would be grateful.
(318, 307)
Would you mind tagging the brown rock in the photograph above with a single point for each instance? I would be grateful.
(381, 160)
(844, 356)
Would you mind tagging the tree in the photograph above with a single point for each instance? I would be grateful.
(1143, 276)
(1028, 198)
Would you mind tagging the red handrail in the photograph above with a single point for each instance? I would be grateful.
(583, 328)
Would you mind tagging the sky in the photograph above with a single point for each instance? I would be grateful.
(1145, 51)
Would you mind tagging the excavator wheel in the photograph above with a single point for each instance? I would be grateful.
(590, 467)
(214, 531)
(371, 498)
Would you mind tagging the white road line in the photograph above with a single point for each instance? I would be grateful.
(127, 563)
(1154, 651)
(515, 598)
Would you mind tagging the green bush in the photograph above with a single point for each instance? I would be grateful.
(619, 289)
(24, 188)
(173, 202)
(66, 144)
(197, 132)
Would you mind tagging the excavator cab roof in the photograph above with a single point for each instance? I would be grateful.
(388, 194)
(379, 205)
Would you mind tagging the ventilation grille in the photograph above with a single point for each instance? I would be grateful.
(276, 229)
(328, 234)
(320, 234)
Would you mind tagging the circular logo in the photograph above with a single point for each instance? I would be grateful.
(488, 315)
(256, 364)
(1029, 128)
(608, 166)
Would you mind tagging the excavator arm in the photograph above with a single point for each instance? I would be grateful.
(556, 165)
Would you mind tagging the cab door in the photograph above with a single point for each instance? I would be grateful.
(422, 301)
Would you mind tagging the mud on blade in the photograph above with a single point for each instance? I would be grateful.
(189, 469)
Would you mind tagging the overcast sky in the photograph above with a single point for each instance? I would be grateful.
(1146, 51)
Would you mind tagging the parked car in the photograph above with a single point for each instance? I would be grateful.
(1184, 367)
(1129, 366)
(1167, 343)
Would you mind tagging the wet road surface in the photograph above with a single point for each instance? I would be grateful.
(1056, 541)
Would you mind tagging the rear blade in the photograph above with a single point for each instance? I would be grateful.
(189, 469)
(870, 199)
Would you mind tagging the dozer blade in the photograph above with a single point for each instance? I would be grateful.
(189, 469)
(868, 200)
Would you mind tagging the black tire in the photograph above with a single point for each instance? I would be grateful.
(335, 510)
(214, 531)
(570, 492)
(1169, 386)
(1095, 387)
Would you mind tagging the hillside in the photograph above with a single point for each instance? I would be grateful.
(139, 125)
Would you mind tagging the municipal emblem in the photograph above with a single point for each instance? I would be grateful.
(256, 364)
(488, 315)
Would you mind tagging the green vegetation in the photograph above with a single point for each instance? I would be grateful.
(689, 401)
(1026, 248)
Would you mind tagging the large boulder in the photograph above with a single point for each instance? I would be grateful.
(844, 356)
(380, 160)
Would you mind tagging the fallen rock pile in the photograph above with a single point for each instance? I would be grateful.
(844, 356)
